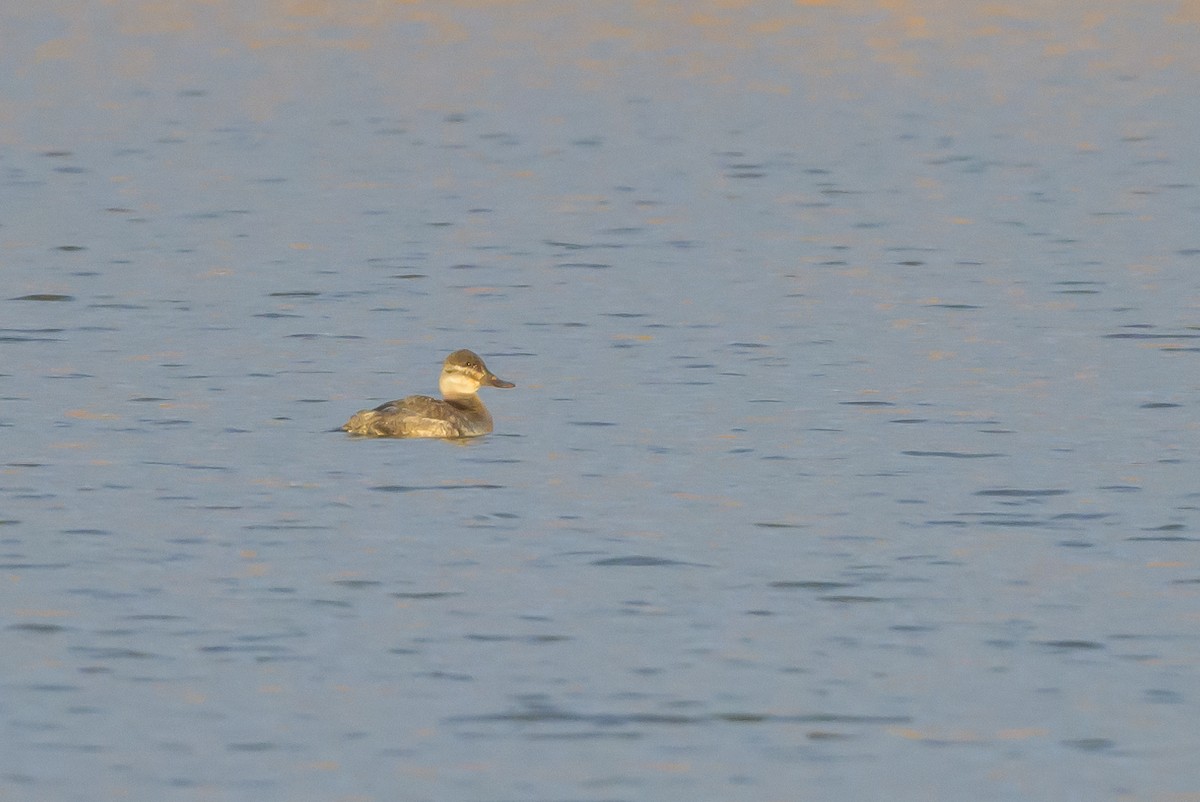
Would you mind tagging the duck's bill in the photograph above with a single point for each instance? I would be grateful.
(496, 381)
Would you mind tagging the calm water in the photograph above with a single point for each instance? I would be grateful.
(852, 454)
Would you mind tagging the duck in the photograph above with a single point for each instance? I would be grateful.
(459, 413)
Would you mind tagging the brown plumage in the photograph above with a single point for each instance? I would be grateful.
(461, 414)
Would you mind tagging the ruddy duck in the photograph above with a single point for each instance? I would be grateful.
(462, 414)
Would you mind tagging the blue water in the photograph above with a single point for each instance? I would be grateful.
(851, 453)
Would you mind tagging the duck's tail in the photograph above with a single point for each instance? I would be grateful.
(367, 422)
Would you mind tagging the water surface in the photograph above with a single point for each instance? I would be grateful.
(852, 445)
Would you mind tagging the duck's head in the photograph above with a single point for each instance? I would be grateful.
(463, 373)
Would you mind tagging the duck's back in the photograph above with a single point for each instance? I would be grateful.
(421, 416)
